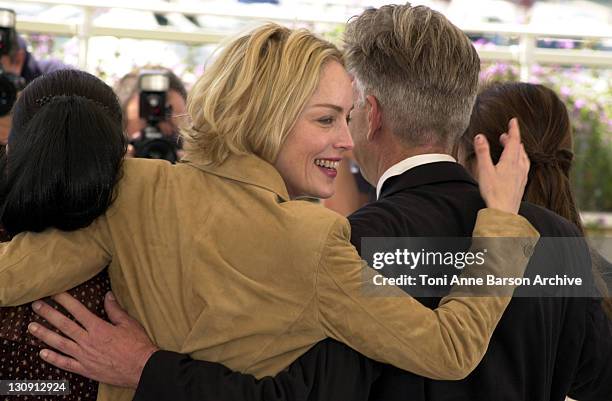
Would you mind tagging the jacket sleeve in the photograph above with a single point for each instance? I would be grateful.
(446, 343)
(328, 371)
(36, 265)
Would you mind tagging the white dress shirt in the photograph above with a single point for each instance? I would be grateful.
(411, 162)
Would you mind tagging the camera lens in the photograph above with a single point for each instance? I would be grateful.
(156, 149)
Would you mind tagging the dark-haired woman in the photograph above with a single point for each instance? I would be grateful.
(546, 133)
(62, 161)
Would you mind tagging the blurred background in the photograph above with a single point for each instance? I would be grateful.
(564, 44)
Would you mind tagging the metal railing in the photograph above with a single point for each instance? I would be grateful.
(526, 53)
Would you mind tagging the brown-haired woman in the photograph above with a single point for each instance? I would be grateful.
(546, 133)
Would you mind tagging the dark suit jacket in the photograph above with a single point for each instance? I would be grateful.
(542, 349)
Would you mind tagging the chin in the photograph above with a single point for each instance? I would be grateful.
(325, 194)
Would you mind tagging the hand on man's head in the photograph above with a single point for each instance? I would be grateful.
(502, 185)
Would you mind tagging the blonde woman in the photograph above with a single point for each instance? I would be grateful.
(217, 259)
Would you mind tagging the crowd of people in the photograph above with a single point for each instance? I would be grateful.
(227, 285)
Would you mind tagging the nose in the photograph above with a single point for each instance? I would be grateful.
(345, 140)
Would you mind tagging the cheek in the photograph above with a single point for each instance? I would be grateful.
(357, 125)
(286, 165)
(299, 165)
(295, 164)
(358, 141)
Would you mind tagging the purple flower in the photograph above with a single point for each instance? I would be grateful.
(537, 69)
(565, 91)
(489, 46)
(579, 104)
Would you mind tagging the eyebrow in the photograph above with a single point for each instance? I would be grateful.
(332, 106)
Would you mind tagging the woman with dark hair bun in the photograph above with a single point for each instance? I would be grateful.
(64, 153)
(546, 133)
(62, 161)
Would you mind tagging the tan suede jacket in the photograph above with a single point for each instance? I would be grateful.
(218, 263)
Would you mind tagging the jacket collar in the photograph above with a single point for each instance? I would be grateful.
(248, 169)
(431, 173)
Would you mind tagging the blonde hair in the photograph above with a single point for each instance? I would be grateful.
(421, 68)
(251, 96)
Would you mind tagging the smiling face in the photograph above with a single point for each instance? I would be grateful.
(310, 155)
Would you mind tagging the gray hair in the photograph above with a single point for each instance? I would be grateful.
(422, 69)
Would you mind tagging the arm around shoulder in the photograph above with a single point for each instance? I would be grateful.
(36, 265)
(446, 343)
(328, 371)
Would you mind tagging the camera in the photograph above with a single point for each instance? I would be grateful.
(10, 84)
(151, 143)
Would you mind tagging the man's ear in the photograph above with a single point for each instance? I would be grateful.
(374, 117)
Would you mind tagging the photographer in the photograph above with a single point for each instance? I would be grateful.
(18, 67)
(152, 133)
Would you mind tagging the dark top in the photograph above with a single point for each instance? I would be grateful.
(19, 359)
(542, 349)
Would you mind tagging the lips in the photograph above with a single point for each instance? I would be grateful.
(328, 166)
(331, 164)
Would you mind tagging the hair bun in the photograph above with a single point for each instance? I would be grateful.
(44, 100)
(561, 158)
(41, 101)
(541, 159)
